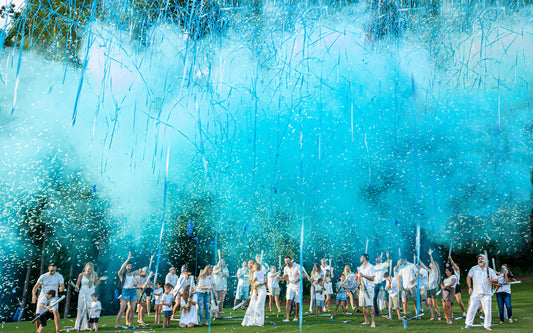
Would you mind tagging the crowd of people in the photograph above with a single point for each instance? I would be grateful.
(377, 290)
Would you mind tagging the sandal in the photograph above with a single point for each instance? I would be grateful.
(432, 319)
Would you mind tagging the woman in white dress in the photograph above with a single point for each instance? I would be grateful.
(255, 315)
(189, 308)
(87, 282)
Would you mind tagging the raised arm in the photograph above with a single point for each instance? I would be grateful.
(454, 265)
(123, 267)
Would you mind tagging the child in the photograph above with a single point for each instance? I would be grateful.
(273, 287)
(158, 293)
(394, 299)
(189, 310)
(94, 313)
(320, 295)
(328, 289)
(166, 302)
(43, 306)
(341, 295)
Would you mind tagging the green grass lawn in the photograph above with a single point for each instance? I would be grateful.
(522, 312)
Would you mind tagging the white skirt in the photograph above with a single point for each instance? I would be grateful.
(255, 315)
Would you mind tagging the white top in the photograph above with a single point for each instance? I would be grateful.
(172, 279)
(157, 295)
(369, 271)
(408, 274)
(433, 279)
(94, 307)
(129, 280)
(259, 277)
(50, 282)
(221, 279)
(293, 273)
(506, 287)
(192, 315)
(44, 301)
(182, 283)
(393, 290)
(380, 269)
(479, 276)
(458, 275)
(272, 281)
(326, 268)
(243, 280)
(207, 281)
(320, 292)
(167, 298)
(423, 275)
(317, 275)
(449, 281)
(350, 281)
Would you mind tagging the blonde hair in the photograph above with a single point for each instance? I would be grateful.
(252, 270)
(186, 295)
(92, 275)
(203, 273)
(347, 271)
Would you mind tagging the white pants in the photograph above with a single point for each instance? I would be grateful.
(486, 304)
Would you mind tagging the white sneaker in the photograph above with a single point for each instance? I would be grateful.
(464, 314)
(466, 326)
(286, 320)
(295, 320)
(488, 328)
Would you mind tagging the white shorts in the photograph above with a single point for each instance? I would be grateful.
(366, 298)
(293, 295)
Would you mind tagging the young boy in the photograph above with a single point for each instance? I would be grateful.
(320, 296)
(94, 313)
(166, 302)
(394, 300)
(43, 306)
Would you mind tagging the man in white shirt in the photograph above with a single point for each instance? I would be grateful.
(379, 281)
(291, 274)
(50, 281)
(479, 280)
(172, 277)
(243, 285)
(407, 276)
(221, 274)
(365, 277)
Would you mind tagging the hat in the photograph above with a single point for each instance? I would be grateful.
(481, 255)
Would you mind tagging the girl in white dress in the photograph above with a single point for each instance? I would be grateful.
(255, 315)
(328, 289)
(87, 282)
(189, 308)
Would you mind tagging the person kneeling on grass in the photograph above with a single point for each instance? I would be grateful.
(189, 308)
(166, 302)
(43, 306)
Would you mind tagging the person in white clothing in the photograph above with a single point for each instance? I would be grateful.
(129, 295)
(189, 308)
(432, 285)
(394, 293)
(50, 281)
(379, 282)
(365, 277)
(172, 277)
(328, 289)
(255, 314)
(503, 293)
(95, 310)
(407, 276)
(273, 287)
(158, 295)
(42, 306)
(221, 275)
(320, 296)
(186, 279)
(448, 292)
(243, 286)
(479, 280)
(291, 274)
(457, 273)
(87, 282)
(325, 267)
(352, 288)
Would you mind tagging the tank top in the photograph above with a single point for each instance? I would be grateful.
(128, 281)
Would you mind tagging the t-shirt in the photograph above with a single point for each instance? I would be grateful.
(207, 281)
(221, 279)
(433, 279)
(369, 271)
(479, 280)
(380, 270)
(423, 275)
(94, 307)
(350, 281)
(259, 277)
(393, 290)
(272, 281)
(341, 292)
(157, 295)
(171, 279)
(506, 287)
(182, 283)
(326, 268)
(50, 282)
(448, 281)
(293, 273)
(243, 279)
(320, 292)
(408, 274)
(167, 298)
(44, 301)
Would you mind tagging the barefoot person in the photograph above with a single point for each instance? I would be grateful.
(129, 294)
(49, 281)
(365, 278)
(448, 292)
(457, 273)
(433, 283)
(479, 280)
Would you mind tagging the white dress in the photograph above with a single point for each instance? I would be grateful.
(84, 296)
(192, 315)
(255, 315)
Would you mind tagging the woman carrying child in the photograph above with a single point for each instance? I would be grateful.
(255, 315)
